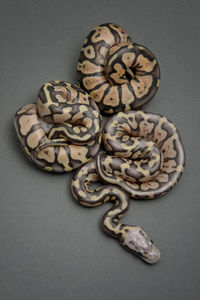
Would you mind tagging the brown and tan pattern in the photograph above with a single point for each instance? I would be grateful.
(131, 237)
(118, 74)
(144, 159)
(146, 156)
(61, 132)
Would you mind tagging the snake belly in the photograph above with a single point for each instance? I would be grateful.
(118, 74)
(62, 131)
(131, 237)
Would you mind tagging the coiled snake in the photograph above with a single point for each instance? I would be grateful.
(146, 159)
(61, 132)
(117, 73)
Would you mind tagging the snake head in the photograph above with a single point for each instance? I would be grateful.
(135, 240)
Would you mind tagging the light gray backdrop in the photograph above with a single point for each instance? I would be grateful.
(50, 247)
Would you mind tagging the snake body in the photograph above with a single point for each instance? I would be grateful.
(61, 132)
(146, 155)
(117, 73)
(131, 237)
(144, 159)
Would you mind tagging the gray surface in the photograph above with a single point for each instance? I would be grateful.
(50, 247)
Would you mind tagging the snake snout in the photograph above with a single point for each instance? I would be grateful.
(136, 240)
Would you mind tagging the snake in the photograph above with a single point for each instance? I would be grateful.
(132, 237)
(144, 159)
(62, 130)
(118, 74)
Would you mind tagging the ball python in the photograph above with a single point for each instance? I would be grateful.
(131, 237)
(117, 73)
(144, 159)
(62, 131)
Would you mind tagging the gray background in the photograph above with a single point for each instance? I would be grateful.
(50, 247)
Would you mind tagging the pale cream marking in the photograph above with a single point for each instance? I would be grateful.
(168, 147)
(124, 36)
(100, 138)
(86, 67)
(96, 124)
(89, 52)
(139, 169)
(159, 133)
(149, 185)
(63, 159)
(142, 87)
(112, 98)
(88, 122)
(91, 82)
(82, 193)
(103, 33)
(118, 74)
(47, 154)
(78, 153)
(48, 168)
(76, 117)
(26, 122)
(26, 108)
(61, 118)
(83, 98)
(114, 212)
(83, 108)
(128, 59)
(133, 185)
(34, 138)
(152, 162)
(76, 183)
(83, 129)
(180, 168)
(83, 171)
(27, 151)
(127, 96)
(113, 49)
(162, 177)
(76, 129)
(88, 204)
(111, 59)
(85, 41)
(145, 128)
(109, 111)
(97, 94)
(169, 166)
(145, 64)
(47, 94)
(103, 50)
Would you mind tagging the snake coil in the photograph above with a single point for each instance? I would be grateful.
(144, 159)
(118, 74)
(61, 132)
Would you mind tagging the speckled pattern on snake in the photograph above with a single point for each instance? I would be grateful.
(145, 158)
(62, 131)
(117, 73)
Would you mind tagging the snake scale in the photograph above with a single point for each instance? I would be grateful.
(62, 131)
(132, 238)
(143, 155)
(117, 73)
(145, 158)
